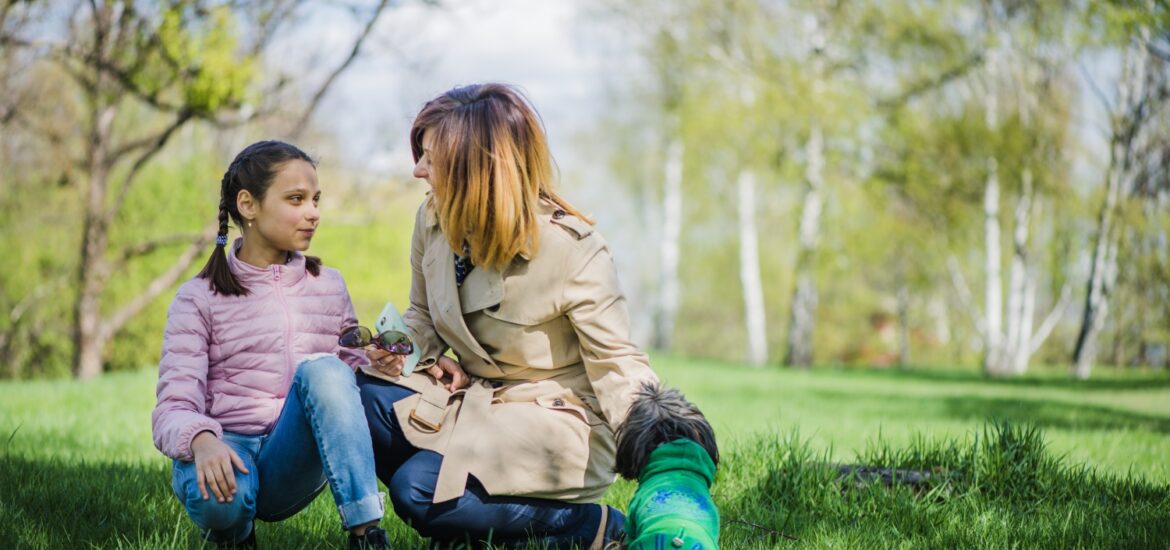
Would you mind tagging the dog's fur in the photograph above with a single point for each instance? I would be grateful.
(659, 415)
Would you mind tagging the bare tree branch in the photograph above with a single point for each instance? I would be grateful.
(933, 82)
(119, 318)
(146, 247)
(964, 293)
(25, 304)
(157, 145)
(357, 46)
(1053, 317)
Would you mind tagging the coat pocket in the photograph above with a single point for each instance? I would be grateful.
(568, 403)
(529, 448)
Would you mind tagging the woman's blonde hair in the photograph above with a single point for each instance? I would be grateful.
(490, 166)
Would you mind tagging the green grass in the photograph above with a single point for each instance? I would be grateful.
(1038, 461)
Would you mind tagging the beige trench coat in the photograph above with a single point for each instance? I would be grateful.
(546, 343)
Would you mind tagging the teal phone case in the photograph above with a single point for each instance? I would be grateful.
(389, 319)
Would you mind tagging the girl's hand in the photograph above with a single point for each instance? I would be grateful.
(450, 373)
(213, 466)
(385, 362)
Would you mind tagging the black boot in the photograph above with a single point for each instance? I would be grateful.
(374, 537)
(249, 542)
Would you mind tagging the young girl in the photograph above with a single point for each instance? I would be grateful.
(254, 404)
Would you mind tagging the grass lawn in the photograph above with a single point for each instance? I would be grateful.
(1077, 465)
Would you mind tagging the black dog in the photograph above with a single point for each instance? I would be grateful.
(669, 447)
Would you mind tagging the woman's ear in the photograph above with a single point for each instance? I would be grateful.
(246, 205)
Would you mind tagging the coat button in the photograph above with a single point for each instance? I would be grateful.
(559, 403)
(558, 214)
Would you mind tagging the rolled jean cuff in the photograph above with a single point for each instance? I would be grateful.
(362, 511)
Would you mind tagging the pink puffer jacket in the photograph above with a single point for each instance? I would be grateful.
(228, 361)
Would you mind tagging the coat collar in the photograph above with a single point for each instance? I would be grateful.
(287, 274)
(545, 212)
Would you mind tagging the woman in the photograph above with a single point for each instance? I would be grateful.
(515, 441)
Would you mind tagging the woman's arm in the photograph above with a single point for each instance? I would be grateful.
(597, 310)
(179, 414)
(418, 315)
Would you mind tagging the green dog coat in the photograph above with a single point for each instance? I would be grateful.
(672, 507)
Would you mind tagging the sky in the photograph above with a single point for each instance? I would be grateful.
(418, 51)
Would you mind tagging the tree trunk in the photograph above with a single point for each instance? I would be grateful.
(902, 296)
(749, 271)
(804, 297)
(993, 288)
(1021, 289)
(802, 318)
(669, 252)
(993, 340)
(1132, 100)
(88, 341)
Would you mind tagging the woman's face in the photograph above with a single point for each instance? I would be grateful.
(422, 168)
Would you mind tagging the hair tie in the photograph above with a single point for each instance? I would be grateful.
(221, 240)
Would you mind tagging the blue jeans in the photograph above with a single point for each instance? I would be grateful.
(320, 437)
(411, 474)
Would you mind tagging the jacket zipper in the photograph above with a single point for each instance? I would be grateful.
(288, 356)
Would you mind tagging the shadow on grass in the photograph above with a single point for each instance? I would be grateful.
(1044, 413)
(50, 503)
(1048, 413)
(1108, 382)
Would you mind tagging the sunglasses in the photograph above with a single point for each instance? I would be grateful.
(393, 341)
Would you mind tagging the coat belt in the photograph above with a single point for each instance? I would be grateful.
(453, 472)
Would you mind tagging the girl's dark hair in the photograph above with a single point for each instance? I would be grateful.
(253, 171)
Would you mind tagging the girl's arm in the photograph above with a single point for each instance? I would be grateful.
(179, 414)
(596, 307)
(418, 315)
(355, 358)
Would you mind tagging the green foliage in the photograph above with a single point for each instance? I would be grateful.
(41, 241)
(194, 55)
(1115, 22)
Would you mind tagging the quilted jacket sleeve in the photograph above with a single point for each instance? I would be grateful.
(355, 358)
(179, 413)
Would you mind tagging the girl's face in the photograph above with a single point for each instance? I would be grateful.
(288, 216)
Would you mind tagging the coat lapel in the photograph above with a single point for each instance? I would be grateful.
(439, 270)
(482, 288)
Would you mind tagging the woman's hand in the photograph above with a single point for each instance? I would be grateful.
(447, 371)
(213, 466)
(385, 362)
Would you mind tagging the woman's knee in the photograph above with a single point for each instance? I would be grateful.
(412, 489)
(378, 398)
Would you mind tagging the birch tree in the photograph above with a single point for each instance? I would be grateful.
(802, 316)
(749, 269)
(1141, 95)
